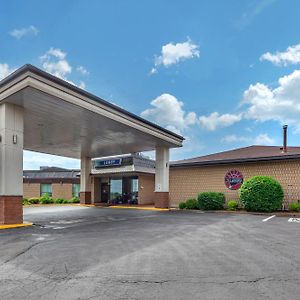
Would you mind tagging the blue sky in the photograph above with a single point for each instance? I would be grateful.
(224, 74)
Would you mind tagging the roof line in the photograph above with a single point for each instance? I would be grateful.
(28, 67)
(230, 161)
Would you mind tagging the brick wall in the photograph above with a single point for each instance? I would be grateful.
(146, 189)
(188, 182)
(31, 190)
(62, 190)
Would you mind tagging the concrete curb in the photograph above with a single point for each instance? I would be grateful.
(241, 212)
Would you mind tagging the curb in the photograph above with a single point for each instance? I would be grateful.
(241, 212)
(8, 226)
(139, 208)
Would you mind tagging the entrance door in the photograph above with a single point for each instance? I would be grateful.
(104, 192)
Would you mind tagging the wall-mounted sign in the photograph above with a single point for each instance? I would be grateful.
(108, 162)
(234, 179)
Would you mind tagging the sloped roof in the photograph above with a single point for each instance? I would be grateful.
(246, 154)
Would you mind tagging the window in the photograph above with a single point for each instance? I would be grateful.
(115, 188)
(46, 188)
(75, 189)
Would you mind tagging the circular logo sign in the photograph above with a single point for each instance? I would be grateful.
(234, 179)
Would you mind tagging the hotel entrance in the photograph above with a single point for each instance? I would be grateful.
(120, 190)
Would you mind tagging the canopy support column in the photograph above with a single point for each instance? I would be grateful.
(162, 177)
(85, 180)
(11, 164)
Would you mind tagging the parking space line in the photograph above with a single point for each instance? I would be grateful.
(269, 218)
(295, 220)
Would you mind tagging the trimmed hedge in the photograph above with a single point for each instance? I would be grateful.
(261, 193)
(46, 199)
(191, 204)
(211, 201)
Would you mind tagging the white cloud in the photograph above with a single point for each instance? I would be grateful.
(281, 103)
(82, 70)
(168, 112)
(82, 85)
(5, 70)
(25, 31)
(261, 139)
(174, 53)
(215, 120)
(290, 56)
(54, 61)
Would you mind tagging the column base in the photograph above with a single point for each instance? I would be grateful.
(161, 200)
(85, 197)
(11, 210)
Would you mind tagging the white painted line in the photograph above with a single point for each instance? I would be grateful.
(295, 220)
(269, 218)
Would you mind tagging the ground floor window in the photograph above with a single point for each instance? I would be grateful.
(46, 188)
(75, 189)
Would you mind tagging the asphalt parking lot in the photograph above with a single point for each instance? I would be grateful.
(77, 252)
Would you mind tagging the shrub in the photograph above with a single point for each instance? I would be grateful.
(65, 201)
(182, 205)
(75, 200)
(232, 205)
(46, 199)
(59, 200)
(25, 201)
(261, 193)
(294, 207)
(211, 200)
(191, 204)
(33, 200)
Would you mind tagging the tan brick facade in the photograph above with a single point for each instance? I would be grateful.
(188, 182)
(59, 190)
(146, 189)
(31, 190)
(62, 190)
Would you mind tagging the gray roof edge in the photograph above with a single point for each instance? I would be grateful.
(234, 161)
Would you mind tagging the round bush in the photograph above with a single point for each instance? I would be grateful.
(261, 193)
(191, 204)
(182, 205)
(211, 201)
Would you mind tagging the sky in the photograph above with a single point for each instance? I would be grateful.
(224, 74)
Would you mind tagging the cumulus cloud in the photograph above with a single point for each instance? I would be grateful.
(261, 139)
(5, 70)
(281, 103)
(54, 61)
(25, 31)
(168, 112)
(215, 120)
(174, 53)
(82, 70)
(290, 56)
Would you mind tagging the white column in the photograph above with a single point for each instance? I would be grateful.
(11, 150)
(162, 170)
(85, 171)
